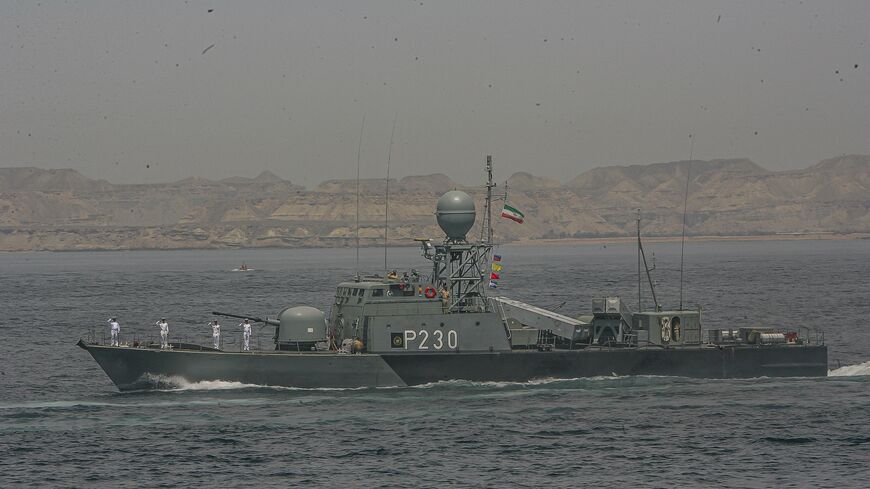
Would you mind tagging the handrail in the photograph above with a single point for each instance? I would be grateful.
(228, 342)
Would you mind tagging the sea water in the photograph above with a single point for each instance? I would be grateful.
(63, 424)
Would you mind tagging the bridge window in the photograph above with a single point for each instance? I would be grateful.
(401, 289)
(377, 292)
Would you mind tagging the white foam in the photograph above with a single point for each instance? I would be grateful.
(851, 370)
(180, 384)
(209, 385)
(503, 384)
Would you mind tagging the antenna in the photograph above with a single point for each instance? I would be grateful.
(639, 302)
(358, 153)
(642, 255)
(387, 201)
(685, 208)
(486, 226)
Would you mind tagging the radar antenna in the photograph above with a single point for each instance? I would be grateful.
(459, 267)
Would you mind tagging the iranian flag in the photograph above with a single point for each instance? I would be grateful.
(512, 213)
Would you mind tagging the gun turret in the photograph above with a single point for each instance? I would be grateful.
(255, 319)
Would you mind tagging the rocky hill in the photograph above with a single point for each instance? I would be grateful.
(63, 210)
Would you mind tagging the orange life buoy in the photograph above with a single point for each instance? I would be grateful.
(430, 292)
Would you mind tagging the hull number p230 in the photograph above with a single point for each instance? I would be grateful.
(434, 340)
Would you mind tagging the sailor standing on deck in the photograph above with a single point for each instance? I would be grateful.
(246, 333)
(216, 334)
(116, 331)
(164, 333)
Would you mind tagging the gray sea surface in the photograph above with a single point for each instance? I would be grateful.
(63, 424)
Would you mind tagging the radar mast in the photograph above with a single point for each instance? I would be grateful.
(486, 226)
(459, 266)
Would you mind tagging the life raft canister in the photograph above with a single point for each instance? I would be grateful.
(430, 292)
(666, 329)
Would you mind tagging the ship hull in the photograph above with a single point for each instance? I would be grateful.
(142, 368)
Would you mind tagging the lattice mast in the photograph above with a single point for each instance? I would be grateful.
(459, 266)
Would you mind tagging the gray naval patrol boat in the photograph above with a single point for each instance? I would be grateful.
(418, 329)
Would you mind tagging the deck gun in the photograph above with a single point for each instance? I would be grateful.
(300, 328)
(266, 321)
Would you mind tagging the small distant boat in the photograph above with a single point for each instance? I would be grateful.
(243, 268)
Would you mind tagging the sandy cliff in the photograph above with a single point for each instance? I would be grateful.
(63, 210)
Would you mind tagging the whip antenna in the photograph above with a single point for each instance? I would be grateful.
(358, 153)
(685, 208)
(642, 256)
(387, 201)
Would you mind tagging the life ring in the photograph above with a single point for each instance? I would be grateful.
(666, 329)
(430, 292)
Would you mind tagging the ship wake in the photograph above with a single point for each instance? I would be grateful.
(180, 384)
(851, 370)
(550, 382)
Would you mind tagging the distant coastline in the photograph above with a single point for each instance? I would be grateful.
(728, 199)
(672, 239)
(545, 242)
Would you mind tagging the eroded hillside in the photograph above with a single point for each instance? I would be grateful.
(64, 210)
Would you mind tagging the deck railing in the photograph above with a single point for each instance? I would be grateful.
(230, 343)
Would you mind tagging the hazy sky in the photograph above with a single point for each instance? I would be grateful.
(135, 91)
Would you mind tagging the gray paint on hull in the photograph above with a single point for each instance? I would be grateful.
(711, 363)
(136, 368)
(132, 368)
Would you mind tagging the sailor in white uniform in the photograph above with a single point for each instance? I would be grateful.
(246, 333)
(116, 331)
(216, 334)
(164, 333)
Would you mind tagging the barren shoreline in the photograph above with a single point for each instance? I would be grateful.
(672, 239)
(731, 200)
(523, 242)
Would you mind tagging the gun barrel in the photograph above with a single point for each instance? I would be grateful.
(252, 318)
